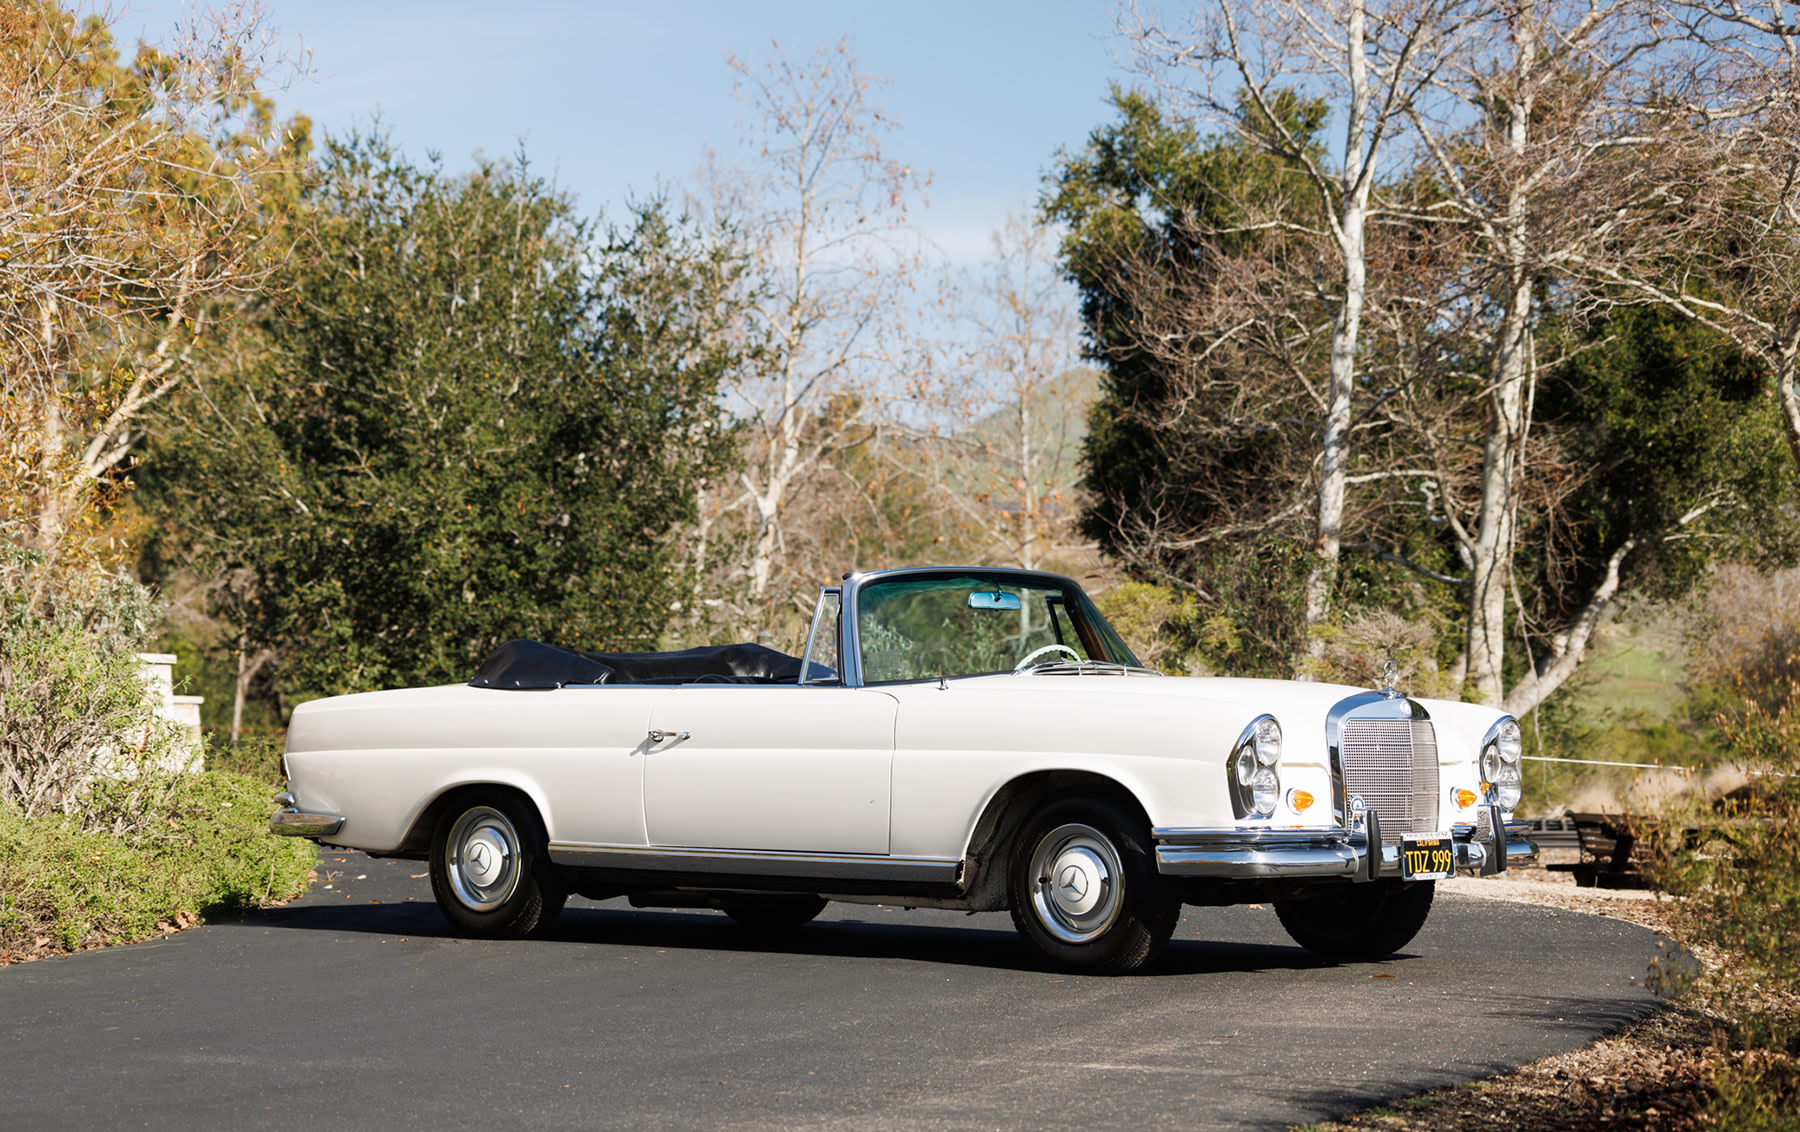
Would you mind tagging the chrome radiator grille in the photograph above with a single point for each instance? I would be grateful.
(1393, 765)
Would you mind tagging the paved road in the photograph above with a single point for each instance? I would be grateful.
(352, 1009)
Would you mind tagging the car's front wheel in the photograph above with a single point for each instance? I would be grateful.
(1353, 923)
(490, 869)
(1084, 887)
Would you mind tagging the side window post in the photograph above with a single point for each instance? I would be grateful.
(822, 640)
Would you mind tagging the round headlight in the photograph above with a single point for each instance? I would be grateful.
(1509, 741)
(1507, 786)
(1265, 788)
(1490, 763)
(1268, 741)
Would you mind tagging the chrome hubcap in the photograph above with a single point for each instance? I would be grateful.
(1076, 887)
(482, 859)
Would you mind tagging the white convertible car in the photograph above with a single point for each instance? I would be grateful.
(964, 738)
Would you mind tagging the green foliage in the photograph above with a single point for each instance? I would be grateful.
(470, 417)
(1673, 424)
(1147, 194)
(1249, 626)
(75, 710)
(256, 755)
(208, 851)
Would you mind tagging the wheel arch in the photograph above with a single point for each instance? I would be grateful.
(990, 844)
(417, 842)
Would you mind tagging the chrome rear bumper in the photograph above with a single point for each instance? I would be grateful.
(1265, 852)
(294, 823)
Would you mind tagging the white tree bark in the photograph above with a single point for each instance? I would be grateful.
(1503, 446)
(1570, 646)
(1370, 62)
(1540, 90)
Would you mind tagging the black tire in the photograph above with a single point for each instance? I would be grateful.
(1356, 923)
(1084, 888)
(490, 869)
(773, 913)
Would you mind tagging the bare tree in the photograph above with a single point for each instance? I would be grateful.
(133, 202)
(1536, 160)
(1371, 63)
(1729, 207)
(823, 210)
(1011, 471)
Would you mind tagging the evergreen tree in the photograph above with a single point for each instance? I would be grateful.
(466, 416)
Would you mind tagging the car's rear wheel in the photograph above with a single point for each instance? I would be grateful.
(1084, 887)
(490, 869)
(772, 913)
(1354, 923)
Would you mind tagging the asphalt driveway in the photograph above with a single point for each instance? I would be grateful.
(353, 1008)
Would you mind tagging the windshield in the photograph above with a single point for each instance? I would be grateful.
(967, 624)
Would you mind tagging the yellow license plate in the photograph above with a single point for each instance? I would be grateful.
(1427, 858)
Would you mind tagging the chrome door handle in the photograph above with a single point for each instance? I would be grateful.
(657, 736)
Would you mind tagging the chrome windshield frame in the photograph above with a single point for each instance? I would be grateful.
(850, 642)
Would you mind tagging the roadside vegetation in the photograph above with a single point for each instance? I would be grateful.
(200, 850)
(107, 835)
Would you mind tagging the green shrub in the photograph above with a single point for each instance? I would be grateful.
(256, 754)
(75, 707)
(204, 849)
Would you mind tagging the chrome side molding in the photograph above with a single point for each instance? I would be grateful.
(757, 863)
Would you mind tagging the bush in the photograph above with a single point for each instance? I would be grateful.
(256, 754)
(1737, 861)
(75, 708)
(205, 851)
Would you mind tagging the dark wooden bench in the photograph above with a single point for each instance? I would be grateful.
(1606, 842)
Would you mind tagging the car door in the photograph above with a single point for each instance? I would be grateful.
(584, 746)
(770, 767)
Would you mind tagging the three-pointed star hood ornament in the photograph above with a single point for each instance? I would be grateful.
(1390, 674)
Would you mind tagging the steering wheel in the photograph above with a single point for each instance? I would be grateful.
(1035, 653)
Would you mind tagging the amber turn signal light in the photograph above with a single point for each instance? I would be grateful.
(1299, 801)
(1463, 798)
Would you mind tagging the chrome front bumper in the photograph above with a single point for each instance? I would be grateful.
(1264, 852)
(294, 823)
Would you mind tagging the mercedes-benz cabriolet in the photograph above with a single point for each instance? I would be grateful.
(965, 738)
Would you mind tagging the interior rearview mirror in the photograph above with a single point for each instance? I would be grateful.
(982, 599)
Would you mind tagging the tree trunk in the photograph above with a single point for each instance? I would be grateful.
(1494, 536)
(1571, 645)
(1508, 414)
(247, 668)
(237, 698)
(1345, 330)
(1787, 389)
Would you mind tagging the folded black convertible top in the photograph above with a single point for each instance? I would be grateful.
(534, 665)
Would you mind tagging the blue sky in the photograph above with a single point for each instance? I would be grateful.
(613, 96)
